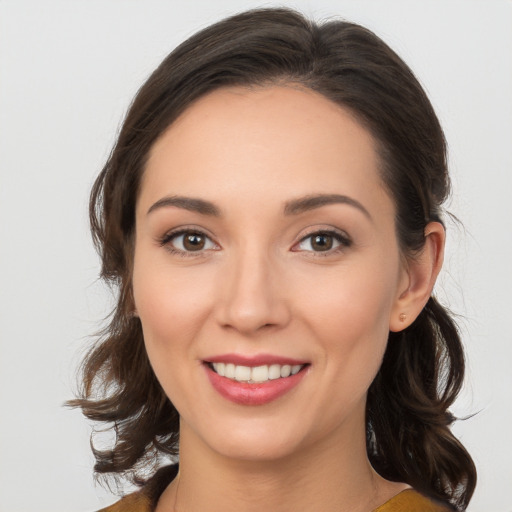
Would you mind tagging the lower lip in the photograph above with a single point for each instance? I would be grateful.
(244, 393)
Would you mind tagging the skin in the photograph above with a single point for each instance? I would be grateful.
(260, 286)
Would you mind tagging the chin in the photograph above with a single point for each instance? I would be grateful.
(253, 440)
(259, 451)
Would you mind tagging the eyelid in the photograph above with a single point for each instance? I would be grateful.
(343, 239)
(165, 241)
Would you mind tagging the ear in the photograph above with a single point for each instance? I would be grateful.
(419, 276)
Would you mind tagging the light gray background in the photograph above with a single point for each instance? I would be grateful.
(67, 73)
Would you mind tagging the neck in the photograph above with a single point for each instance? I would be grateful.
(328, 476)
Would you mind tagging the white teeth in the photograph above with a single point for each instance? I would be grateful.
(220, 368)
(229, 371)
(296, 368)
(242, 373)
(274, 371)
(257, 373)
(286, 369)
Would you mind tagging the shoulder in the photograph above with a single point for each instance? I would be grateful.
(146, 499)
(411, 501)
(135, 502)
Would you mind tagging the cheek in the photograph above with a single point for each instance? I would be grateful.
(354, 337)
(349, 317)
(347, 303)
(171, 304)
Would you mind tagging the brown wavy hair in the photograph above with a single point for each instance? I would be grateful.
(408, 418)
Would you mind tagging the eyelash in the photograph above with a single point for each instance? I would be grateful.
(166, 240)
(342, 239)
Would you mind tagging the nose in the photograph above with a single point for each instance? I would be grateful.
(253, 295)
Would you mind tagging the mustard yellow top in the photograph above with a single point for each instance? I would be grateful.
(146, 499)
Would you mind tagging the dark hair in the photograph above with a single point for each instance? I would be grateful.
(408, 435)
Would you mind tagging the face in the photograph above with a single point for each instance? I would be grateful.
(266, 271)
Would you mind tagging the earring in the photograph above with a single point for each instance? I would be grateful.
(402, 317)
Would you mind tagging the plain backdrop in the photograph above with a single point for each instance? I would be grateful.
(68, 71)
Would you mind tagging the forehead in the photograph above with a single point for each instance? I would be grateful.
(271, 142)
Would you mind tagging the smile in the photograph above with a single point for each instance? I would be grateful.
(255, 380)
(255, 374)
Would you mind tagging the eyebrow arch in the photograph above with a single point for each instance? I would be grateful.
(293, 207)
(304, 204)
(187, 203)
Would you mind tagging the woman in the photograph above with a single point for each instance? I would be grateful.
(271, 214)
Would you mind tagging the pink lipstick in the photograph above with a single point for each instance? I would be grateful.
(254, 380)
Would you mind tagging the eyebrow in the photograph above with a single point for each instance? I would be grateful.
(187, 203)
(311, 202)
(293, 207)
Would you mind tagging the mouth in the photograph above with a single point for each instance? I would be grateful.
(254, 381)
(255, 374)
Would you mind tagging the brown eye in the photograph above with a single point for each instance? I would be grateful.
(322, 242)
(184, 242)
(193, 242)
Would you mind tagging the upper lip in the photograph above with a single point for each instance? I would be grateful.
(254, 360)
